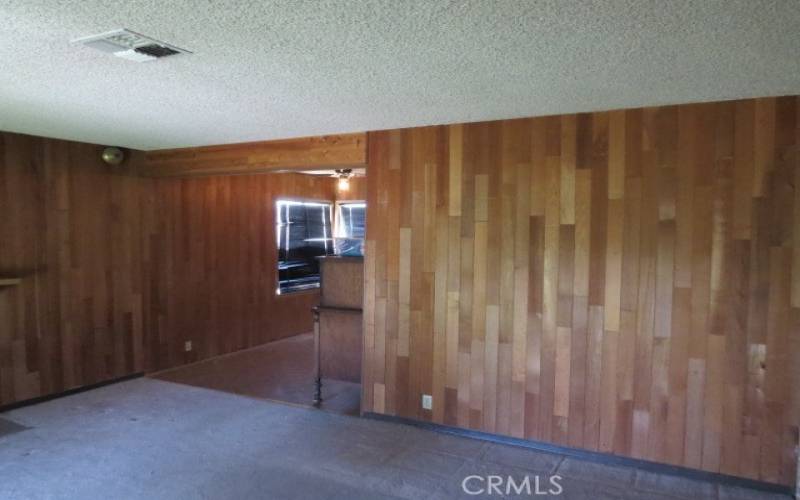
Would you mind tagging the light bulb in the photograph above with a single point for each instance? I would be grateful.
(344, 184)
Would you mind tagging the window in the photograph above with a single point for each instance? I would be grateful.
(351, 220)
(304, 232)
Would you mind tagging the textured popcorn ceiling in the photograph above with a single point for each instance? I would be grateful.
(268, 70)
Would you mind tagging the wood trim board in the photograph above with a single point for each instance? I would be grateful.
(323, 152)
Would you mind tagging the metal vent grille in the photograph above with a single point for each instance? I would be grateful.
(156, 50)
(130, 45)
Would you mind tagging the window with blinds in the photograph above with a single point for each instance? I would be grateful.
(351, 220)
(304, 232)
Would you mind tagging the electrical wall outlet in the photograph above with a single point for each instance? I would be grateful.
(427, 402)
(187, 346)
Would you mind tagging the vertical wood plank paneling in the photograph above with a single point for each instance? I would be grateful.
(580, 310)
(71, 229)
(628, 281)
(552, 231)
(211, 267)
(521, 229)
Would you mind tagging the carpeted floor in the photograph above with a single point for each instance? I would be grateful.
(151, 439)
(8, 427)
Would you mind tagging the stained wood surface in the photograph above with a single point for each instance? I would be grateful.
(340, 337)
(340, 318)
(210, 256)
(330, 151)
(358, 188)
(342, 282)
(70, 227)
(118, 271)
(625, 281)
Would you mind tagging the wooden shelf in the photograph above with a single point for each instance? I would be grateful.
(10, 281)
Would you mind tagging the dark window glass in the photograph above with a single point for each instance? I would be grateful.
(304, 233)
(352, 222)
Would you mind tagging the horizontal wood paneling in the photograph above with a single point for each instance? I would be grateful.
(211, 262)
(621, 281)
(70, 228)
(329, 151)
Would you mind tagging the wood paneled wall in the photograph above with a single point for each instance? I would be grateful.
(624, 281)
(211, 260)
(357, 191)
(70, 227)
(118, 271)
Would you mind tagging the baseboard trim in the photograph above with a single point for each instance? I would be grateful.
(592, 456)
(70, 392)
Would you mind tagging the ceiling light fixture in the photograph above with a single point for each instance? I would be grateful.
(344, 174)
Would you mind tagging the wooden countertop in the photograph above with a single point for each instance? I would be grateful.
(341, 257)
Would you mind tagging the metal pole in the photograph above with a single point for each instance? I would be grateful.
(317, 368)
(797, 480)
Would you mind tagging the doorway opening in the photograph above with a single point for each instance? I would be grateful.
(315, 292)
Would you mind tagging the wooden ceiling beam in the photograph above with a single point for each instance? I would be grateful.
(321, 152)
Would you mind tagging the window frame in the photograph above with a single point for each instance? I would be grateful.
(328, 239)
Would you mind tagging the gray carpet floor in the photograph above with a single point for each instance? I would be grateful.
(151, 439)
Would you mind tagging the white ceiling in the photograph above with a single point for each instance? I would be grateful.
(268, 70)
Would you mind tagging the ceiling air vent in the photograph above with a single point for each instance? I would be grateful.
(131, 45)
